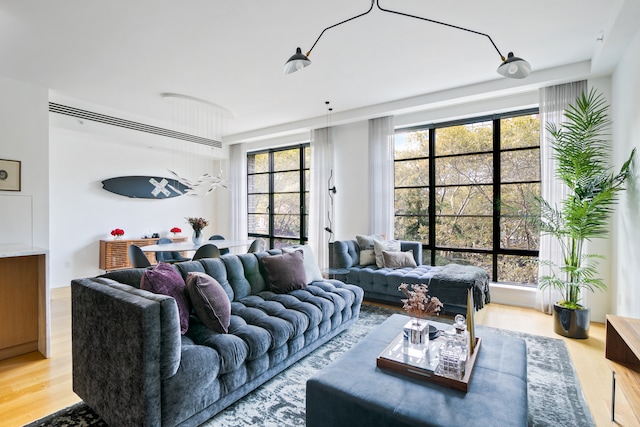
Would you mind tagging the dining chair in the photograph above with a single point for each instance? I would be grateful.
(223, 251)
(169, 257)
(137, 258)
(258, 245)
(207, 251)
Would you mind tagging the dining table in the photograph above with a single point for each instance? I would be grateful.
(190, 246)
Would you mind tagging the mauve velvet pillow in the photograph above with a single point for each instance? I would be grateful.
(210, 302)
(285, 272)
(163, 279)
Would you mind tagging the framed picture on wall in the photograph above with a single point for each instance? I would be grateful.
(9, 175)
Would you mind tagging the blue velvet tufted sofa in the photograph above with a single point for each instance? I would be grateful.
(133, 367)
(450, 283)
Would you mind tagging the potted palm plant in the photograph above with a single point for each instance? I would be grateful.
(583, 153)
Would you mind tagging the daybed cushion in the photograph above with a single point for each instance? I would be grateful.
(210, 301)
(164, 279)
(285, 273)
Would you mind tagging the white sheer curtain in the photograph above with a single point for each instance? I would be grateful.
(553, 102)
(238, 184)
(321, 211)
(381, 135)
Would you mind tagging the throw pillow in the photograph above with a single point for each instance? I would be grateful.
(386, 245)
(367, 254)
(285, 272)
(164, 279)
(311, 269)
(210, 302)
(399, 259)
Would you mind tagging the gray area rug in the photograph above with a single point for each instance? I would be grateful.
(554, 393)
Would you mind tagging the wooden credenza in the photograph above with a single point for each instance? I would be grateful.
(114, 253)
(24, 301)
(622, 350)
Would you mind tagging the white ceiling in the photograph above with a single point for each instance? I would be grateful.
(122, 54)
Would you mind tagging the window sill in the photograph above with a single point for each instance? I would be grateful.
(519, 296)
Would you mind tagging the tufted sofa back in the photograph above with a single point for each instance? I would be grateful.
(346, 253)
(240, 275)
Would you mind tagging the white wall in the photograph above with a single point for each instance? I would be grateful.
(24, 215)
(625, 285)
(83, 213)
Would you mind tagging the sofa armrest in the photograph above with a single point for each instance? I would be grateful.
(416, 247)
(120, 351)
(344, 254)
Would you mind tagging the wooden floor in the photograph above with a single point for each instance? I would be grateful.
(32, 387)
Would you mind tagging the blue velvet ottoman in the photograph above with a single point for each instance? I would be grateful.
(353, 391)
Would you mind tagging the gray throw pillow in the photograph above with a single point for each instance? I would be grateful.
(365, 243)
(210, 302)
(386, 245)
(399, 259)
(285, 272)
(164, 279)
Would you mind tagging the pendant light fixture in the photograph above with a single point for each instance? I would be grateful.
(511, 66)
(205, 119)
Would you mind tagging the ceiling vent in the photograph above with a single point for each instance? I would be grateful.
(128, 124)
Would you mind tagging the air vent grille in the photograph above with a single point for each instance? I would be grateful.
(128, 124)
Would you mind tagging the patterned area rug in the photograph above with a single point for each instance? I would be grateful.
(555, 396)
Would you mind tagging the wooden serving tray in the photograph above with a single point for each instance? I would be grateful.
(430, 375)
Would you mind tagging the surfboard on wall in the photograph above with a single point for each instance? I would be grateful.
(145, 187)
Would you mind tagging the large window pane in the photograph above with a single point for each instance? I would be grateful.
(258, 224)
(258, 183)
(470, 138)
(286, 203)
(411, 145)
(286, 225)
(258, 203)
(520, 165)
(464, 232)
(411, 201)
(460, 170)
(412, 173)
(286, 181)
(286, 160)
(518, 269)
(413, 228)
(464, 200)
(518, 207)
(258, 163)
(521, 131)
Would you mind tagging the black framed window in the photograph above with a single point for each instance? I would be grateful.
(277, 194)
(466, 190)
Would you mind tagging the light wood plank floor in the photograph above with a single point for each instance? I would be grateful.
(32, 387)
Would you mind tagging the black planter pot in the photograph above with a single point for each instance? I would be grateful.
(571, 323)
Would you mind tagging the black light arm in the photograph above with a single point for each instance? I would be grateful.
(340, 23)
(441, 23)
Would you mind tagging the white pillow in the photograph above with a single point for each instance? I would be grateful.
(386, 245)
(367, 254)
(311, 269)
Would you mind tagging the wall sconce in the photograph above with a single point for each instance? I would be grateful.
(511, 66)
(332, 191)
